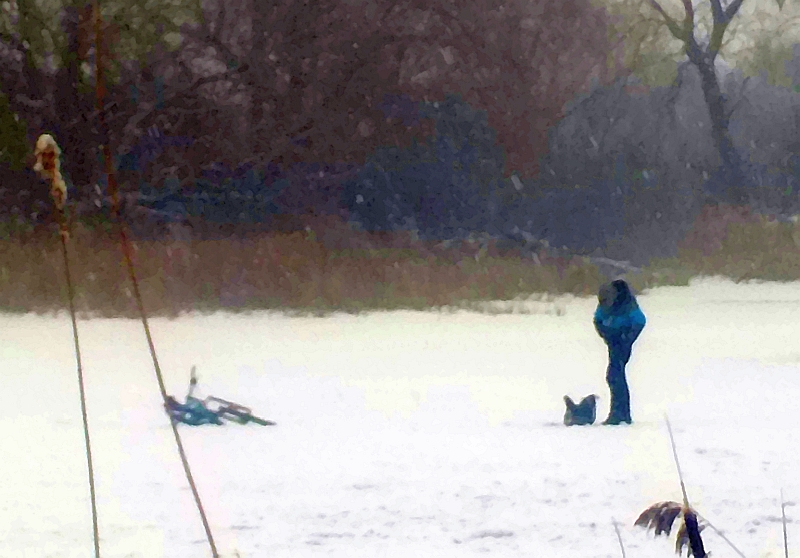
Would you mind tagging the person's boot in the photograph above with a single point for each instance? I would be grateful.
(623, 411)
(613, 387)
(614, 416)
(624, 402)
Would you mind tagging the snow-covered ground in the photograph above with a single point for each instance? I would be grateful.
(406, 434)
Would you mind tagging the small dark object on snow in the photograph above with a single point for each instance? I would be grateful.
(194, 412)
(211, 410)
(233, 411)
(582, 413)
(660, 518)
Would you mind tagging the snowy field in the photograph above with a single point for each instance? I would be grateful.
(406, 434)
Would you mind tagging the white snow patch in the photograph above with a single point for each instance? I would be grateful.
(405, 434)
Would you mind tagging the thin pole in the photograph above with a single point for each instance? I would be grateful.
(677, 463)
(619, 537)
(84, 414)
(783, 519)
(112, 186)
(48, 165)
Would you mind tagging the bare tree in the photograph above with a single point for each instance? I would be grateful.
(703, 55)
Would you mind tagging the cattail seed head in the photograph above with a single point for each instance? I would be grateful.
(48, 165)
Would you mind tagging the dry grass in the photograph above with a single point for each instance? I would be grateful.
(734, 243)
(294, 272)
(336, 269)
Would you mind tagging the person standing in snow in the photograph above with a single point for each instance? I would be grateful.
(619, 321)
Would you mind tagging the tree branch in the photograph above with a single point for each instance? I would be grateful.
(222, 15)
(739, 99)
(732, 10)
(689, 9)
(29, 103)
(717, 12)
(721, 20)
(688, 20)
(673, 26)
(135, 120)
(204, 36)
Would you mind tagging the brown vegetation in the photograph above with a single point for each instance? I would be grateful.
(327, 268)
(737, 243)
(301, 271)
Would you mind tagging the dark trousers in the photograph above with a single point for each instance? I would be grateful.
(618, 357)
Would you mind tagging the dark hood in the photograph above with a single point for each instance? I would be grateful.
(617, 297)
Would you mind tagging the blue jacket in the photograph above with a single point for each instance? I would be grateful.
(619, 327)
(618, 319)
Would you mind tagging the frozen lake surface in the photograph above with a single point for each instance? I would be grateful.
(406, 434)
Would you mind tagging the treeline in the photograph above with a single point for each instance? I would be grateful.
(514, 119)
